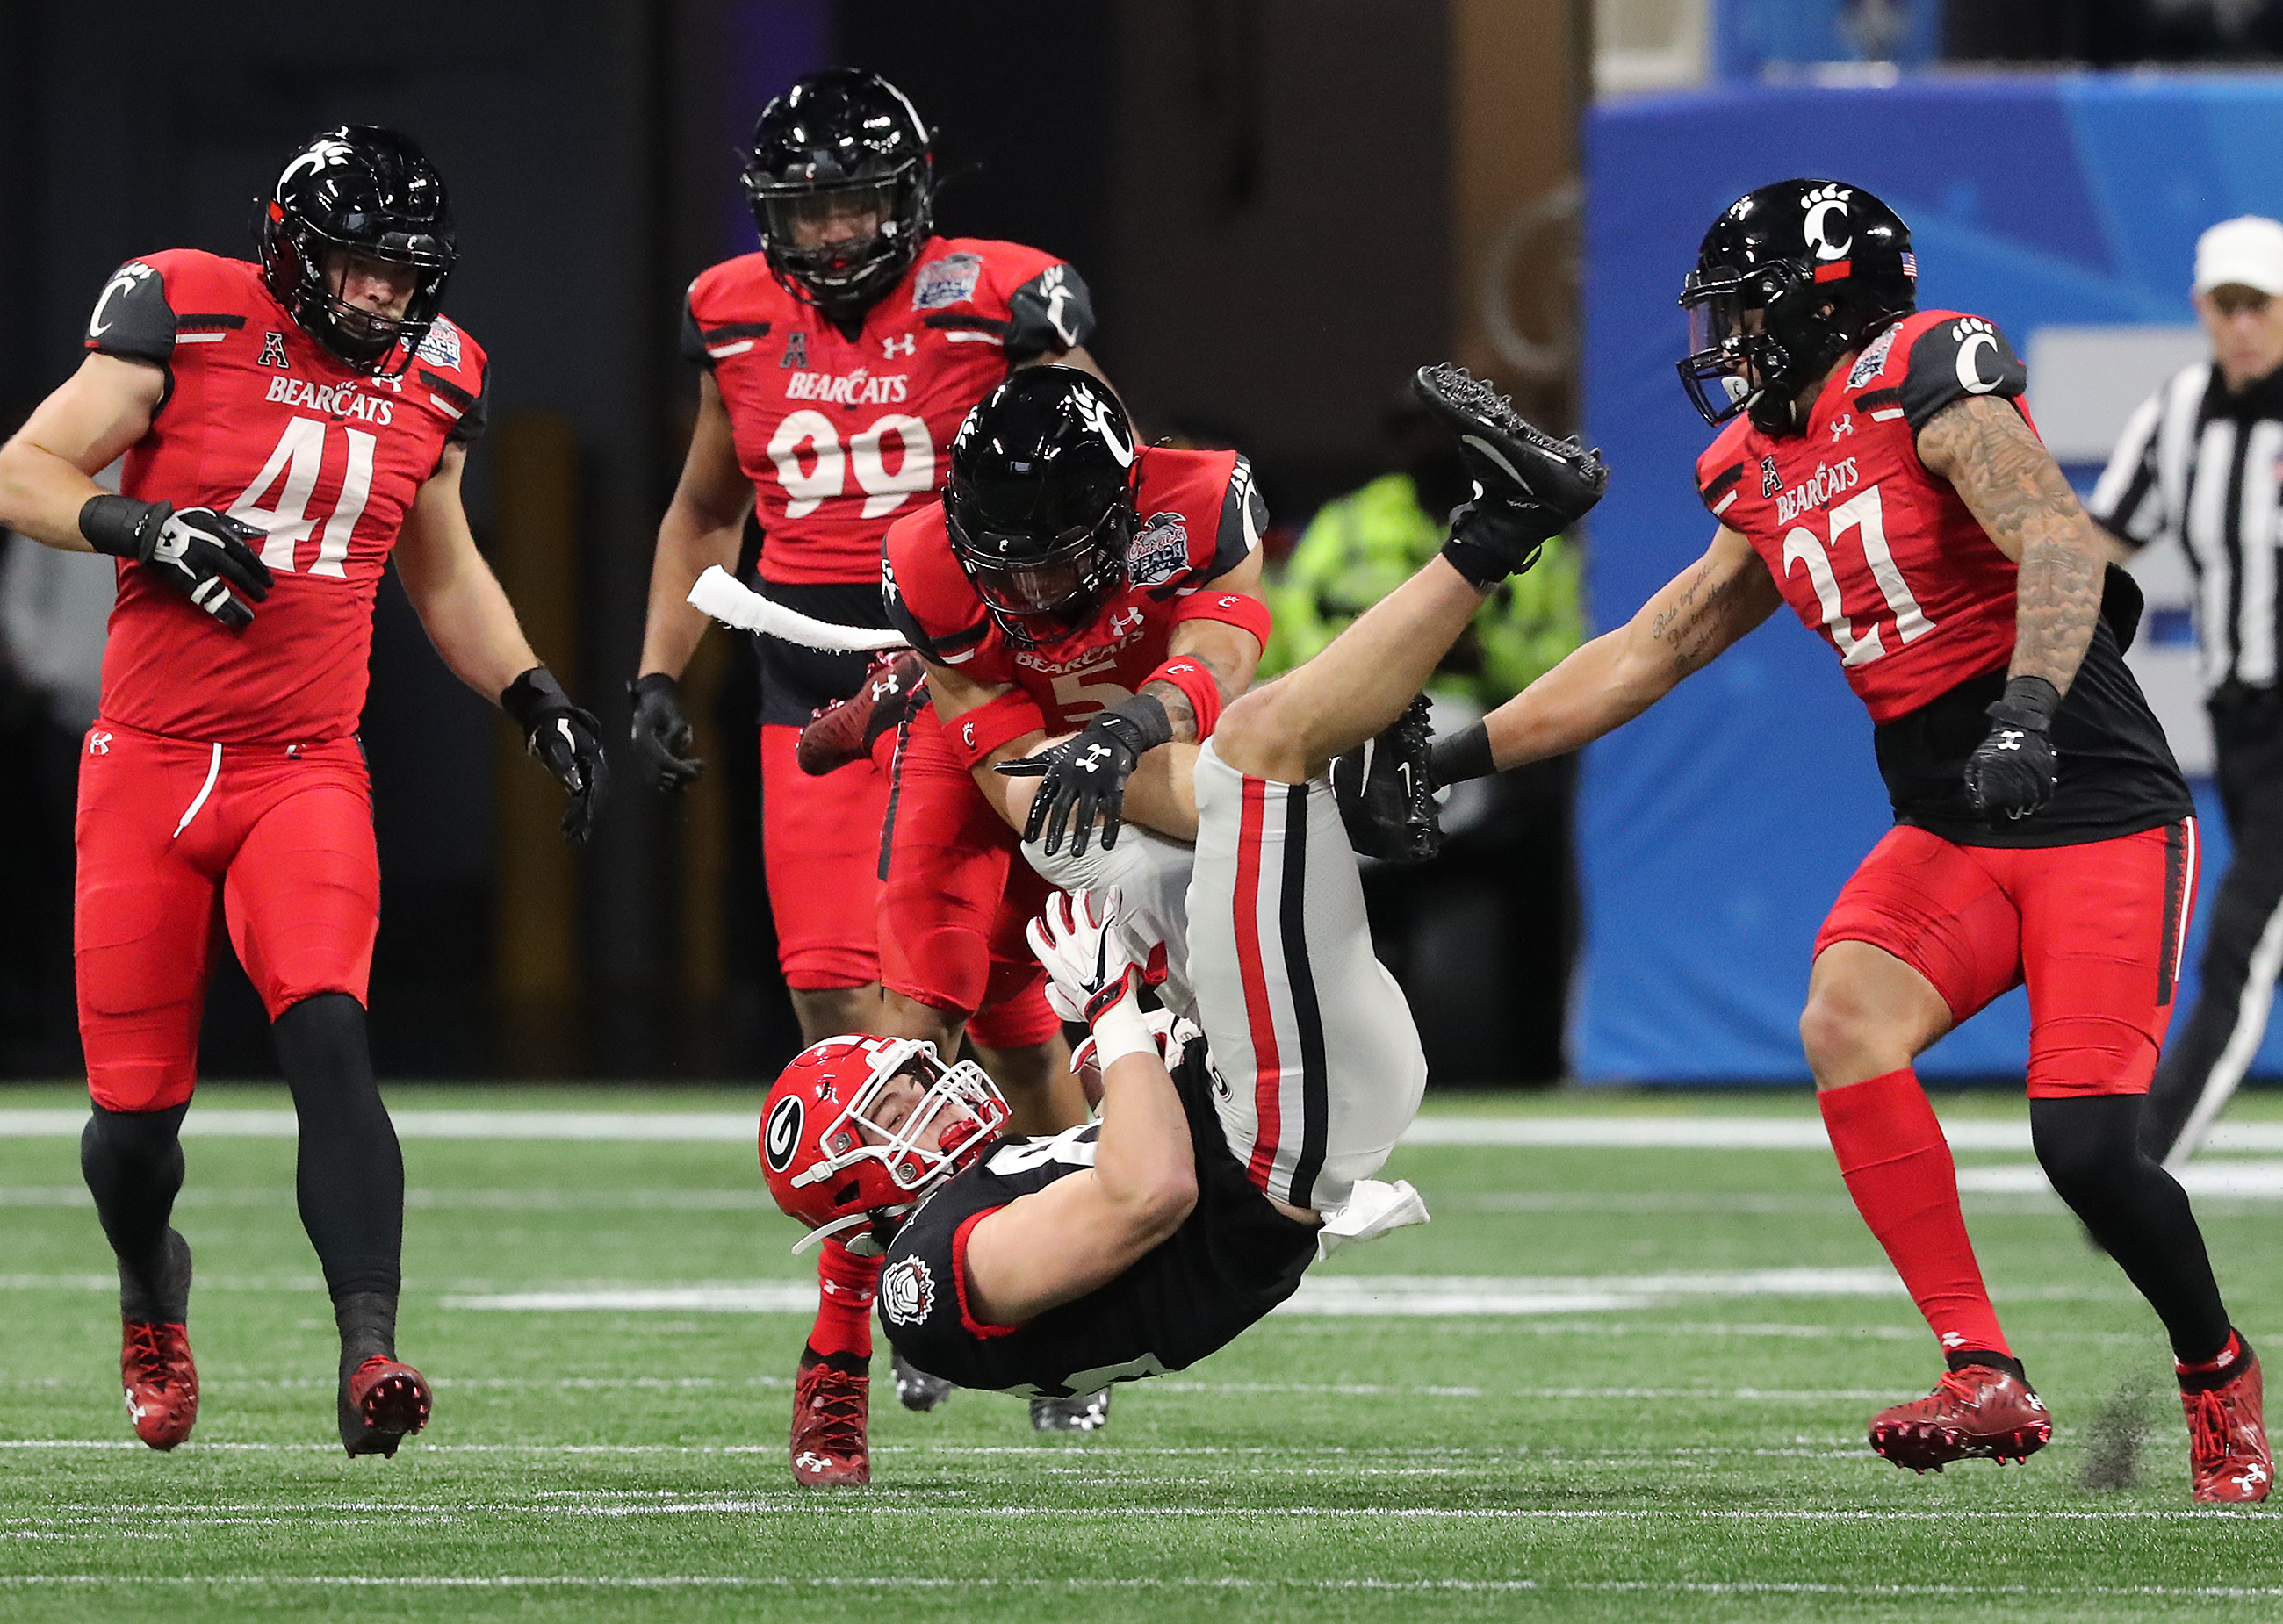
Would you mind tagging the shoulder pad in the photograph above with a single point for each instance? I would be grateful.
(1051, 313)
(926, 593)
(133, 315)
(1955, 356)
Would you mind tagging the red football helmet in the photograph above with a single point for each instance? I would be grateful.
(830, 1164)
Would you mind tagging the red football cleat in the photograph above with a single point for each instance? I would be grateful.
(2228, 1461)
(1977, 1413)
(843, 734)
(829, 1409)
(384, 1402)
(162, 1383)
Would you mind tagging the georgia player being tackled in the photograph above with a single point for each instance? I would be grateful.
(288, 427)
(1876, 471)
(1137, 1244)
(834, 366)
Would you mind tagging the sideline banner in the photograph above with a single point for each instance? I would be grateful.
(1714, 832)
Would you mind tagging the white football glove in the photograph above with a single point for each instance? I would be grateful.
(1091, 977)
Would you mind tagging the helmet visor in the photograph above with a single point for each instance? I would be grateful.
(1714, 372)
(833, 234)
(1015, 575)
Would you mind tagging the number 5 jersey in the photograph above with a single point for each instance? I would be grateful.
(259, 420)
(1886, 562)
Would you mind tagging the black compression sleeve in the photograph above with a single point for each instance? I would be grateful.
(1457, 757)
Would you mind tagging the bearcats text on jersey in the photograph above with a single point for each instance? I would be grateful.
(261, 421)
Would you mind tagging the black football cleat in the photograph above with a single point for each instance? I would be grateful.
(384, 1402)
(1386, 796)
(1529, 487)
(1081, 1412)
(917, 1390)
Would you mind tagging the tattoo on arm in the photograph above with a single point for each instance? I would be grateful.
(2011, 483)
(1718, 604)
(1179, 711)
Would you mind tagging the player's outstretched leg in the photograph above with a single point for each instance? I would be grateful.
(349, 1183)
(133, 1164)
(1528, 488)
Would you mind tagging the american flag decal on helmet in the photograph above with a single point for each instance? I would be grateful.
(1911, 265)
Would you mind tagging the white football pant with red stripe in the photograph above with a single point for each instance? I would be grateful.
(1310, 1034)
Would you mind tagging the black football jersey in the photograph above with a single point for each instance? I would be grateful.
(1235, 1259)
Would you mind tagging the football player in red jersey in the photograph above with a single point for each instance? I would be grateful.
(287, 428)
(1878, 472)
(1070, 580)
(834, 366)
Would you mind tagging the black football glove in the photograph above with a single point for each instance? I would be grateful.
(1529, 487)
(663, 736)
(567, 740)
(199, 552)
(2011, 772)
(1086, 775)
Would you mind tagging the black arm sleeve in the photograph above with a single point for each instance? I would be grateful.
(1052, 312)
(1951, 359)
(132, 317)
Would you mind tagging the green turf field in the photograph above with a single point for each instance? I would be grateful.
(1664, 1421)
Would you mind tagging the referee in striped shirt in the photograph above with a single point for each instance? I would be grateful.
(2203, 461)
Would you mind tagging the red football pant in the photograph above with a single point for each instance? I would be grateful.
(280, 833)
(2094, 930)
(958, 898)
(821, 854)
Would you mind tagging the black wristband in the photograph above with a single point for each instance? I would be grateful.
(2033, 695)
(1152, 727)
(122, 527)
(532, 696)
(652, 682)
(1457, 757)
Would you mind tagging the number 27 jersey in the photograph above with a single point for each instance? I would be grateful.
(261, 421)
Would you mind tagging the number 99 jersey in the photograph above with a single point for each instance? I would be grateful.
(260, 421)
(840, 429)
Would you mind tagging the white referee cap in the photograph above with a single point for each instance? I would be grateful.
(2245, 251)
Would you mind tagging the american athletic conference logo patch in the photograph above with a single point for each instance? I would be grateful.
(1159, 550)
(907, 1292)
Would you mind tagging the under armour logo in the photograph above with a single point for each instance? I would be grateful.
(1844, 423)
(99, 744)
(1124, 621)
(2009, 738)
(897, 344)
(1095, 757)
(273, 351)
(1953, 1339)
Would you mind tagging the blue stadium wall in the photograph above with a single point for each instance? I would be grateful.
(1715, 831)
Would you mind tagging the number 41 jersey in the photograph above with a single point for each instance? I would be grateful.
(1890, 567)
(261, 421)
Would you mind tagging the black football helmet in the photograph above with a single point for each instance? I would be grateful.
(373, 192)
(1040, 501)
(841, 146)
(1825, 264)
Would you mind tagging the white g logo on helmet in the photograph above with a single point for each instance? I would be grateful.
(781, 1135)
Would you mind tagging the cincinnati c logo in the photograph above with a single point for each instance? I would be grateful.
(781, 1135)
